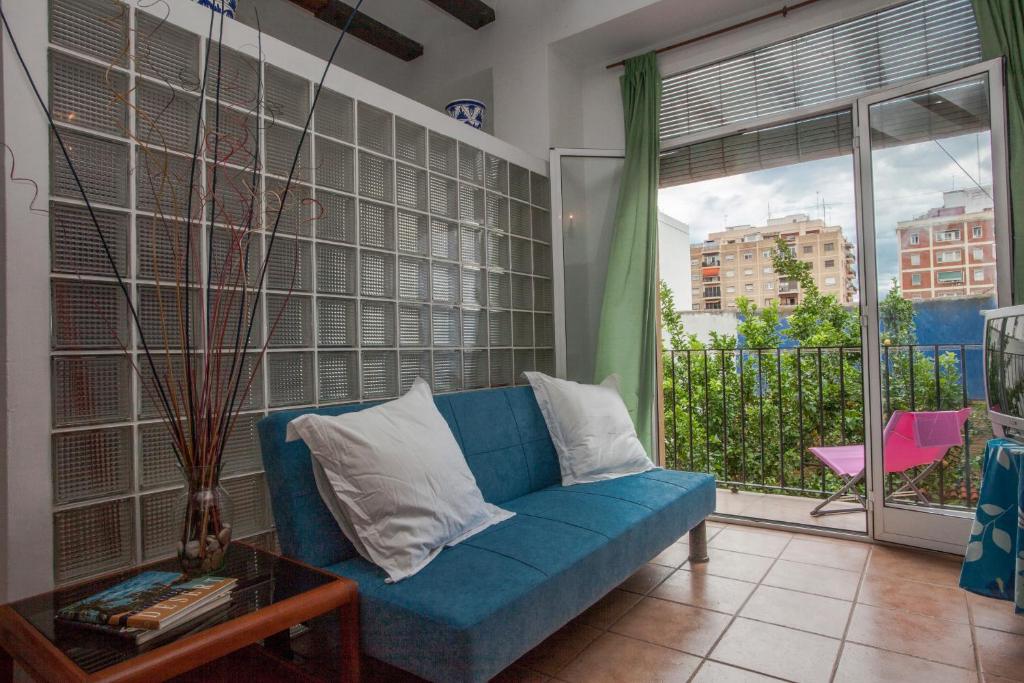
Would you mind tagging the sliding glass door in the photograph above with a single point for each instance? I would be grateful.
(935, 237)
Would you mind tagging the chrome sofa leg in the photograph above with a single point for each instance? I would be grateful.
(699, 543)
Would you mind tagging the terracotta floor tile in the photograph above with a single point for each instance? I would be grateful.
(518, 674)
(859, 663)
(608, 609)
(645, 578)
(613, 658)
(1001, 654)
(559, 649)
(848, 555)
(814, 613)
(912, 634)
(671, 624)
(715, 672)
(753, 542)
(732, 565)
(937, 568)
(912, 596)
(811, 578)
(777, 651)
(995, 614)
(672, 556)
(702, 590)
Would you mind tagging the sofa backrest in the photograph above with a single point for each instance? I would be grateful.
(501, 432)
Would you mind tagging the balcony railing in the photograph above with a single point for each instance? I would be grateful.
(748, 416)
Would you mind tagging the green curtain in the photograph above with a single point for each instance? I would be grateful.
(626, 335)
(1001, 25)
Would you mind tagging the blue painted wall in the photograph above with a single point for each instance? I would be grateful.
(948, 323)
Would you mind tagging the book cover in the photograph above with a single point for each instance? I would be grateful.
(150, 600)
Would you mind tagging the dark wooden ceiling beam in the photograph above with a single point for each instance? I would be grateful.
(472, 13)
(365, 28)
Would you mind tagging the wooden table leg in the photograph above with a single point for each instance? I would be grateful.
(6, 667)
(348, 622)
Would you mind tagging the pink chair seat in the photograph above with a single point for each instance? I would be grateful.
(846, 461)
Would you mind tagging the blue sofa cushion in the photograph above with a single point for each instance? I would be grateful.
(501, 432)
(482, 604)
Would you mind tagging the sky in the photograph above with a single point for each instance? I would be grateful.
(908, 180)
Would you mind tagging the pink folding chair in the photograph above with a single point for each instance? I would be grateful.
(911, 439)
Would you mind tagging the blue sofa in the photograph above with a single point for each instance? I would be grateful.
(481, 605)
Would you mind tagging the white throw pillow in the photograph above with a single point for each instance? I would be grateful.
(591, 429)
(400, 484)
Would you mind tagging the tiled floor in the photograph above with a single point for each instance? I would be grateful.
(792, 509)
(776, 605)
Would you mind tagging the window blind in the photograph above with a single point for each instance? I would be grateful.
(891, 46)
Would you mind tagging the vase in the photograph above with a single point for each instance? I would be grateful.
(205, 511)
(470, 112)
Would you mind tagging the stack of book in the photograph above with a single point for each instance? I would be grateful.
(149, 605)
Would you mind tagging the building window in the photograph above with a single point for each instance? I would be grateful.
(808, 248)
(979, 274)
(830, 263)
(978, 253)
(769, 285)
(694, 277)
(730, 273)
(748, 256)
(748, 271)
(714, 306)
(949, 256)
(915, 279)
(767, 253)
(830, 281)
(976, 231)
(915, 259)
(749, 287)
(830, 246)
(768, 302)
(915, 238)
(696, 307)
(951, 276)
(948, 236)
(730, 290)
(767, 270)
(730, 257)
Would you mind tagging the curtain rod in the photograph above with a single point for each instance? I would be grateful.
(782, 12)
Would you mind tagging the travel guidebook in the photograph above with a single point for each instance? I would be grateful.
(151, 601)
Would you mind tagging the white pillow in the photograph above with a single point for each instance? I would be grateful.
(590, 426)
(401, 487)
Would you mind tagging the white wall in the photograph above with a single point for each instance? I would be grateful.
(674, 259)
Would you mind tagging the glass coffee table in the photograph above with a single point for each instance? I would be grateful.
(272, 595)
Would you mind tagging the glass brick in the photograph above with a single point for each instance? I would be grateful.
(445, 286)
(101, 165)
(75, 242)
(471, 164)
(410, 142)
(290, 265)
(161, 523)
(497, 250)
(380, 374)
(376, 177)
(413, 325)
(161, 312)
(447, 371)
(294, 216)
(475, 369)
(158, 465)
(497, 212)
(335, 165)
(414, 364)
(376, 225)
(286, 96)
(542, 259)
(472, 245)
(377, 324)
(501, 367)
(377, 274)
(237, 257)
(161, 180)
(443, 196)
(166, 118)
(280, 145)
(291, 319)
(499, 293)
(500, 323)
(413, 279)
(542, 296)
(242, 450)
(90, 389)
(518, 183)
(474, 327)
(335, 216)
(545, 361)
(444, 240)
(497, 174)
(88, 95)
(544, 329)
(540, 190)
(411, 184)
(522, 292)
(337, 322)
(522, 255)
(249, 503)
(541, 223)
(291, 378)
(96, 463)
(519, 218)
(374, 129)
(474, 287)
(523, 361)
(446, 327)
(237, 79)
(472, 208)
(335, 269)
(339, 376)
(443, 154)
(96, 27)
(413, 233)
(522, 329)
(93, 539)
(87, 315)
(335, 115)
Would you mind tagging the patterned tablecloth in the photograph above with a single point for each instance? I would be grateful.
(994, 563)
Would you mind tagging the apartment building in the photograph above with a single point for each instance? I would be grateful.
(950, 250)
(738, 262)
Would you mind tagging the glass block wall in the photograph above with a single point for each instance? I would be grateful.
(407, 252)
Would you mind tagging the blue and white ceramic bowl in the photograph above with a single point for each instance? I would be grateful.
(467, 111)
(228, 7)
